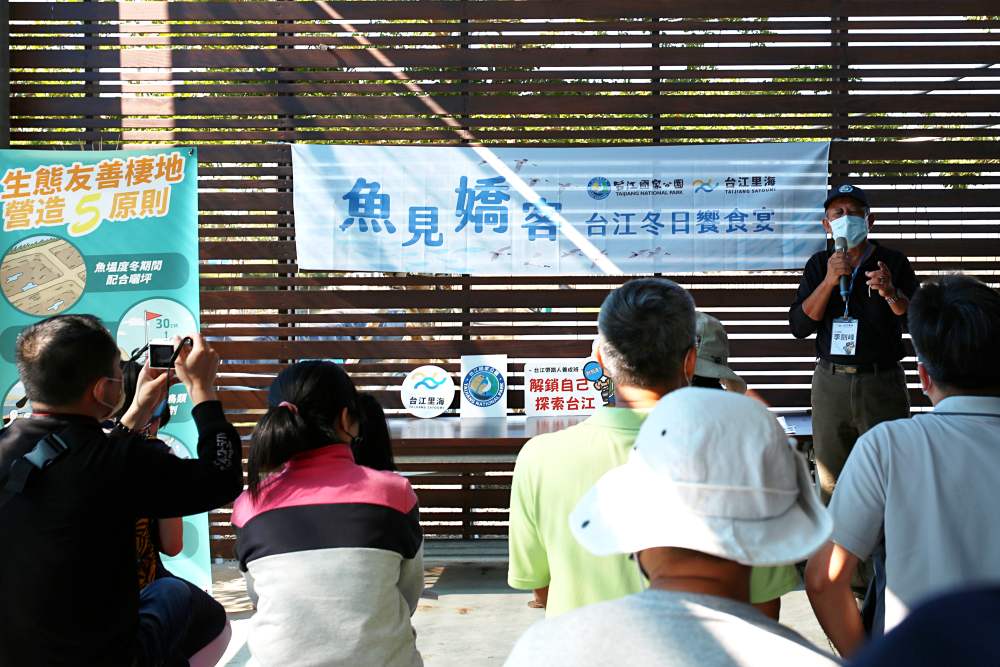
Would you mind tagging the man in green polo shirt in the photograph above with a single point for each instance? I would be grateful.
(647, 347)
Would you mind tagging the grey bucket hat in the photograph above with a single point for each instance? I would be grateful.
(713, 353)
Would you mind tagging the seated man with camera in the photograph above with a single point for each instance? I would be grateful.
(70, 494)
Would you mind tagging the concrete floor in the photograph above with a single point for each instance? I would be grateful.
(466, 616)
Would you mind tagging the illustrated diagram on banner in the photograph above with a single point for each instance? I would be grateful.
(43, 275)
(152, 319)
(15, 403)
(427, 391)
(484, 385)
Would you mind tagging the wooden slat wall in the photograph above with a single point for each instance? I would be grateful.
(908, 91)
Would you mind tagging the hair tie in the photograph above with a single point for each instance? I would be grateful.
(291, 407)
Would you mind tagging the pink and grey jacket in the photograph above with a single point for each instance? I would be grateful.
(335, 556)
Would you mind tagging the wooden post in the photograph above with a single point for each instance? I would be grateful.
(840, 81)
(4, 74)
(657, 117)
(287, 315)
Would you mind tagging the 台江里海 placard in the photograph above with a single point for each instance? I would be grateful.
(427, 391)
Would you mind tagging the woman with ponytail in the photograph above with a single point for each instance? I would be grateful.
(333, 548)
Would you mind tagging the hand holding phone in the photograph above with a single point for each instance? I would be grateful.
(196, 366)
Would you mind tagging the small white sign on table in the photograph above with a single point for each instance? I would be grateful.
(484, 385)
(561, 387)
(427, 391)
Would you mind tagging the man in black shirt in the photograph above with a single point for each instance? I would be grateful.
(858, 380)
(68, 586)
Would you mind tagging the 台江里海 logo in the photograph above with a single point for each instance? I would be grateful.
(427, 391)
(429, 382)
(704, 184)
(483, 386)
(599, 188)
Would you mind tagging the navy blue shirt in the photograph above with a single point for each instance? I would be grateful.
(955, 629)
(880, 331)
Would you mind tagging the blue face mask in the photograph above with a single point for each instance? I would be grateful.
(854, 228)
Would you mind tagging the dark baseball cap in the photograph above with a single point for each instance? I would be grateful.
(846, 190)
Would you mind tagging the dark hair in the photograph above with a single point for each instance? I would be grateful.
(706, 382)
(374, 448)
(130, 380)
(60, 357)
(319, 392)
(648, 326)
(955, 325)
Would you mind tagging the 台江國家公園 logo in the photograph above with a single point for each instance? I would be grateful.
(704, 184)
(483, 386)
(599, 188)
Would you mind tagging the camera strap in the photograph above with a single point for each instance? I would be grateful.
(46, 451)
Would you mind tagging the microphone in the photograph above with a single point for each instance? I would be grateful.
(840, 243)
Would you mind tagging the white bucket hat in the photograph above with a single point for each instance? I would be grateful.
(713, 353)
(711, 471)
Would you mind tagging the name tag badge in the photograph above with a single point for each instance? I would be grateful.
(844, 341)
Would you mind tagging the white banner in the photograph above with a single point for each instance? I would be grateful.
(545, 211)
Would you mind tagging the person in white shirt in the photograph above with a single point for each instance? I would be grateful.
(711, 489)
(920, 493)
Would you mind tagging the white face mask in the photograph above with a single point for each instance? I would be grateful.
(113, 408)
(854, 228)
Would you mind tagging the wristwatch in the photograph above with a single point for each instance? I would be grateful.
(894, 298)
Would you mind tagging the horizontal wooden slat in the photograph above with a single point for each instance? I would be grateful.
(483, 498)
(862, 123)
(486, 104)
(455, 11)
(737, 25)
(635, 84)
(488, 136)
(822, 76)
(773, 395)
(920, 247)
(878, 153)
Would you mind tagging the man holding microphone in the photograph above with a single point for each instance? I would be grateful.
(855, 299)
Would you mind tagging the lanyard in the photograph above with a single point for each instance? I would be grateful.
(854, 275)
